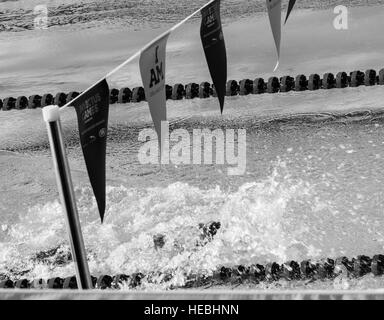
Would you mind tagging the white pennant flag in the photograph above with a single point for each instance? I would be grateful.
(152, 69)
(274, 12)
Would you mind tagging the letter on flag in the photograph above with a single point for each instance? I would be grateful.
(92, 110)
(152, 69)
(291, 4)
(274, 12)
(212, 38)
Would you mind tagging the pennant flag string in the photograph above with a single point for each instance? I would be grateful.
(152, 69)
(138, 53)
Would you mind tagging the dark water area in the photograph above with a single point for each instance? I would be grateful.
(19, 15)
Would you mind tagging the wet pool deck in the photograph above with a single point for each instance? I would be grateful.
(20, 294)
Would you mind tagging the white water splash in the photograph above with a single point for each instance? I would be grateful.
(253, 221)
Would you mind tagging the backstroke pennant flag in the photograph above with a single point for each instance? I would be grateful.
(92, 110)
(274, 12)
(291, 4)
(152, 69)
(212, 38)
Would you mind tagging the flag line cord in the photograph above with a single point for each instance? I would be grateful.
(137, 53)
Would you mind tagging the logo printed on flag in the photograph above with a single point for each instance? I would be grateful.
(152, 69)
(212, 39)
(92, 109)
(274, 13)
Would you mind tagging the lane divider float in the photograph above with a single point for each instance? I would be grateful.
(205, 90)
(271, 272)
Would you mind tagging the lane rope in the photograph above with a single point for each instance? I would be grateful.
(205, 90)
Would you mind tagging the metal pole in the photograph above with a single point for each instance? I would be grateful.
(51, 116)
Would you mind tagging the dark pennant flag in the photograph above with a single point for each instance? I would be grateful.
(92, 110)
(291, 4)
(212, 38)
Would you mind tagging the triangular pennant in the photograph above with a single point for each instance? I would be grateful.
(152, 69)
(92, 110)
(212, 38)
(291, 4)
(274, 13)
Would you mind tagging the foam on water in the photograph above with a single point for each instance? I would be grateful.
(253, 220)
(311, 190)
